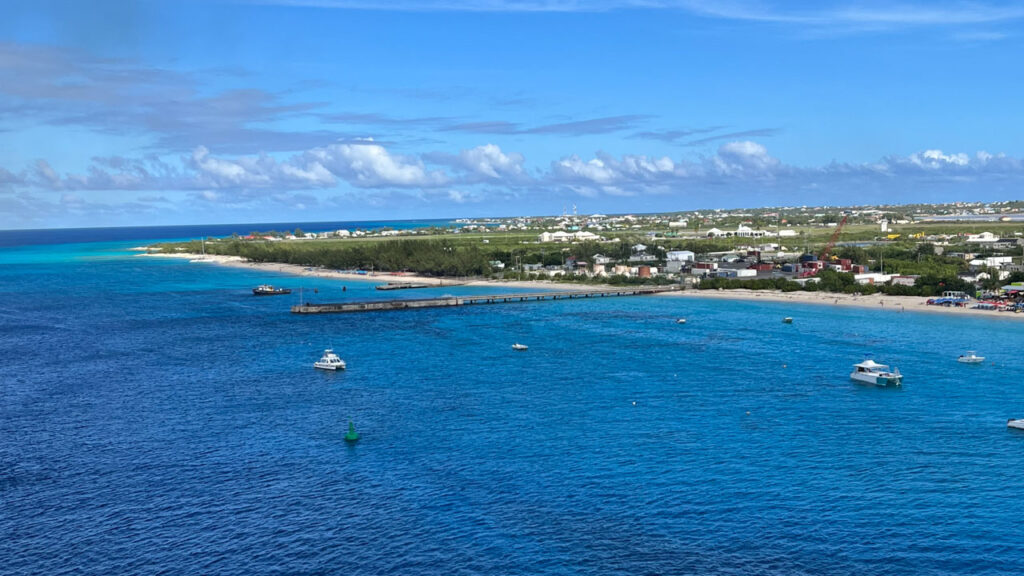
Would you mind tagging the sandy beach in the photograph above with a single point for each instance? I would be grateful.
(379, 277)
(895, 304)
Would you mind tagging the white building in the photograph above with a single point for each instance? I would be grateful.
(680, 256)
(984, 237)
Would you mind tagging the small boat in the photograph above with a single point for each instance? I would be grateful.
(681, 321)
(268, 290)
(329, 361)
(970, 358)
(787, 320)
(871, 372)
(518, 346)
(1017, 423)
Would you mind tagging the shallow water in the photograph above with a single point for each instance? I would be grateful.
(156, 417)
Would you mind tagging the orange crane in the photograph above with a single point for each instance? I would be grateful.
(832, 240)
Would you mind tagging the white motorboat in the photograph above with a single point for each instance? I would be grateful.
(1017, 423)
(871, 372)
(518, 346)
(681, 321)
(970, 358)
(329, 361)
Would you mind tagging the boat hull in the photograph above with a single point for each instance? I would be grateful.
(275, 292)
(331, 367)
(877, 379)
(1018, 424)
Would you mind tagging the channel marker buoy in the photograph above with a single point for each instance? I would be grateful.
(352, 435)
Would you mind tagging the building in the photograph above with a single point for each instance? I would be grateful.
(983, 238)
(680, 256)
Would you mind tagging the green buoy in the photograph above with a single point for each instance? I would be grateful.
(352, 435)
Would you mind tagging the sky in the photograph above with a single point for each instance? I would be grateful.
(157, 112)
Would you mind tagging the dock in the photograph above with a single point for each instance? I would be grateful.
(449, 301)
(403, 285)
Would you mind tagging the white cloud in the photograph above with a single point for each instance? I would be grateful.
(489, 161)
(743, 170)
(372, 166)
(935, 159)
(745, 159)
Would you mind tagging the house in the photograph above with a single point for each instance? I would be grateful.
(680, 256)
(716, 233)
(602, 259)
(748, 232)
(992, 261)
(984, 237)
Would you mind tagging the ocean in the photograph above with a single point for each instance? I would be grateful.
(156, 418)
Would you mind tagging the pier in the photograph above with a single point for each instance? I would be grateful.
(403, 286)
(447, 301)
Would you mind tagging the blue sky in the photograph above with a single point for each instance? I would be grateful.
(187, 111)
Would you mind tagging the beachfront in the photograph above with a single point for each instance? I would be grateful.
(896, 304)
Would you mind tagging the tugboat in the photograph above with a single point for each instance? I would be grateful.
(871, 372)
(268, 290)
(329, 361)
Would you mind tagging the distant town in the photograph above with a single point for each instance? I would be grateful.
(925, 250)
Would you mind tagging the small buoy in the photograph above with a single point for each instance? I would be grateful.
(748, 412)
(783, 365)
(352, 435)
(634, 402)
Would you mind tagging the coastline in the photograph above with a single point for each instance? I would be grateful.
(895, 304)
(297, 270)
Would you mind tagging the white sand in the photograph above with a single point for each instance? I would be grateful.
(896, 304)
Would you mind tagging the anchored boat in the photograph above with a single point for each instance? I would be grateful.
(1017, 423)
(518, 346)
(329, 361)
(871, 372)
(268, 290)
(970, 358)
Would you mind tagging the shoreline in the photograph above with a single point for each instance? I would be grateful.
(896, 304)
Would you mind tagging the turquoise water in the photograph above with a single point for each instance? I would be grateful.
(158, 418)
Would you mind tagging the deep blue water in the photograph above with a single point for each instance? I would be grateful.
(157, 418)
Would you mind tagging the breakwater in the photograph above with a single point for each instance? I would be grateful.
(446, 301)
